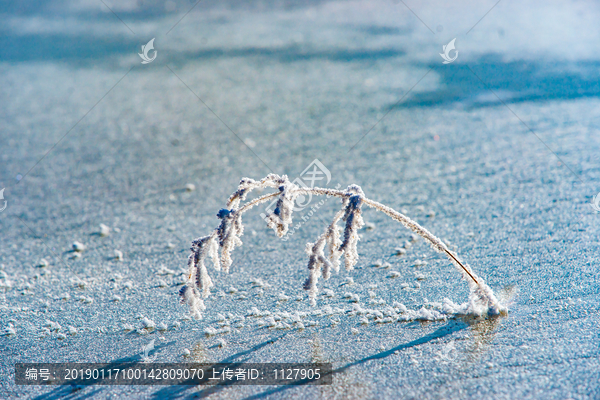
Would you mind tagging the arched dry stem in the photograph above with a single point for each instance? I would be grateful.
(227, 236)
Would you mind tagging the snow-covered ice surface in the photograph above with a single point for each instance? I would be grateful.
(298, 83)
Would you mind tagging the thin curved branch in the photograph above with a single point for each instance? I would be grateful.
(418, 229)
(403, 219)
(227, 236)
(256, 202)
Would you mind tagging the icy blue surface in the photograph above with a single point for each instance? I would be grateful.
(90, 136)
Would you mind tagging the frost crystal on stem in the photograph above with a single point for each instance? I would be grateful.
(280, 219)
(227, 236)
(354, 221)
(199, 282)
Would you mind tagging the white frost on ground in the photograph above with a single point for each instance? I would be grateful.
(301, 83)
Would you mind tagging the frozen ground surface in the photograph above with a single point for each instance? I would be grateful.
(506, 179)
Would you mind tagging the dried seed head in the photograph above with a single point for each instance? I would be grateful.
(354, 221)
(192, 298)
(227, 236)
(280, 219)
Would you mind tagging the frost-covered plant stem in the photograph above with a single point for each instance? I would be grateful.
(227, 236)
(424, 233)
